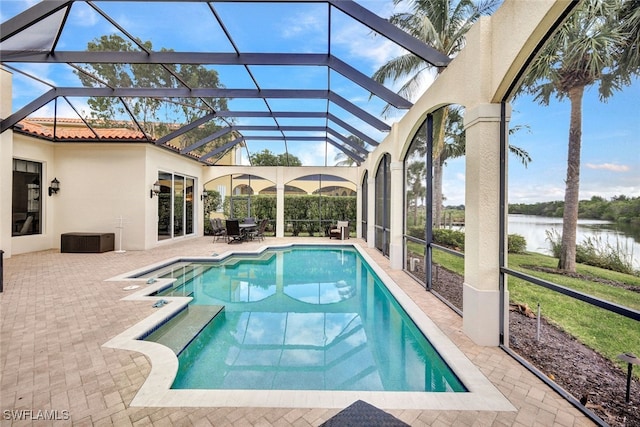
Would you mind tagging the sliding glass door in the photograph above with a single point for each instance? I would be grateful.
(176, 213)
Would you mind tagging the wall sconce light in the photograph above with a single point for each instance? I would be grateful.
(54, 187)
(155, 189)
(204, 194)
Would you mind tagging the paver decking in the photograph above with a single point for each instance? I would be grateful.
(57, 310)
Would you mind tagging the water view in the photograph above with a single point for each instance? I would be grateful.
(533, 228)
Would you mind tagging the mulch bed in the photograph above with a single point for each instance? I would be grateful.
(589, 377)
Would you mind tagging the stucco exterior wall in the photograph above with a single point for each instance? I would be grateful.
(6, 155)
(99, 183)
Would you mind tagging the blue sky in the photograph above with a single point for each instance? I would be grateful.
(611, 131)
(610, 161)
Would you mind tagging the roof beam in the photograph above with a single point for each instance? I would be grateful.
(302, 114)
(347, 141)
(289, 114)
(195, 93)
(354, 131)
(283, 138)
(358, 112)
(390, 31)
(186, 128)
(354, 156)
(40, 101)
(205, 140)
(161, 58)
(222, 148)
(280, 128)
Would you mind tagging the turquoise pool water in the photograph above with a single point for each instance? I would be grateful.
(303, 318)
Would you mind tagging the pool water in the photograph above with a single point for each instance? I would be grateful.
(303, 318)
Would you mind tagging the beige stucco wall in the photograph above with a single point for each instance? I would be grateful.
(6, 164)
(99, 183)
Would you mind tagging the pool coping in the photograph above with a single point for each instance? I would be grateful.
(156, 390)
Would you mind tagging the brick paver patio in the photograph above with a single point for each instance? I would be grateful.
(57, 311)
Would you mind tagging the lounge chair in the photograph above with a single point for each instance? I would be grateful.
(233, 231)
(340, 230)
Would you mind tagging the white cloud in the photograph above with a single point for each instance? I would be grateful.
(304, 23)
(608, 166)
(313, 153)
(85, 16)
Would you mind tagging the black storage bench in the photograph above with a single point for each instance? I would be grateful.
(86, 242)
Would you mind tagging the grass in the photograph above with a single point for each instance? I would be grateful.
(607, 333)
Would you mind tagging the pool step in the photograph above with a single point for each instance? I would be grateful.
(178, 332)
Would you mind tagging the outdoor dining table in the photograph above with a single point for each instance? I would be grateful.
(246, 228)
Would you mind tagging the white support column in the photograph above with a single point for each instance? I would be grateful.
(6, 164)
(396, 247)
(358, 210)
(371, 210)
(481, 295)
(280, 202)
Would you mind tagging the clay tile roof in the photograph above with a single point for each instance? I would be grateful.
(75, 129)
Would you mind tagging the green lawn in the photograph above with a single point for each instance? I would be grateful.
(608, 333)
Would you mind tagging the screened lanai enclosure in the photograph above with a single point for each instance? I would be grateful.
(167, 98)
(134, 111)
(193, 79)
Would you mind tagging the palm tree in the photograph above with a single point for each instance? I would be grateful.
(588, 49)
(443, 25)
(454, 146)
(416, 189)
(342, 159)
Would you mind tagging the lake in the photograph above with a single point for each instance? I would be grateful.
(533, 228)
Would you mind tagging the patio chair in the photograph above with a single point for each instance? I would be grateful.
(219, 232)
(233, 231)
(340, 230)
(259, 233)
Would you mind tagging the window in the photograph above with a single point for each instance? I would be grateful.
(365, 202)
(26, 206)
(383, 208)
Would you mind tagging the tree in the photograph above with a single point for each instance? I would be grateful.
(105, 111)
(589, 48)
(416, 189)
(443, 25)
(454, 146)
(342, 159)
(267, 158)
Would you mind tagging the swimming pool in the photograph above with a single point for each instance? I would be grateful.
(300, 318)
(157, 391)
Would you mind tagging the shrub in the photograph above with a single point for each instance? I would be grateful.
(417, 232)
(594, 251)
(449, 238)
(516, 244)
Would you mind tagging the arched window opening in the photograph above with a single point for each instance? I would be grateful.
(383, 207)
